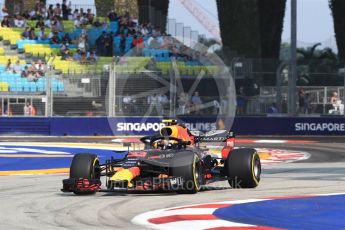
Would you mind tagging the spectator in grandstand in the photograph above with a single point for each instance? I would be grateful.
(112, 16)
(154, 104)
(108, 45)
(122, 44)
(120, 31)
(27, 109)
(164, 101)
(26, 15)
(66, 39)
(31, 76)
(41, 36)
(84, 20)
(127, 16)
(75, 14)
(138, 44)
(183, 103)
(240, 101)
(82, 43)
(70, 15)
(334, 98)
(5, 22)
(272, 109)
(67, 55)
(25, 72)
(63, 49)
(57, 10)
(196, 102)
(51, 34)
(165, 42)
(48, 22)
(58, 24)
(40, 10)
(154, 44)
(32, 35)
(77, 55)
(307, 103)
(156, 32)
(39, 68)
(6, 111)
(77, 22)
(17, 68)
(91, 56)
(65, 10)
(284, 105)
(90, 16)
(3, 13)
(40, 23)
(173, 51)
(27, 34)
(83, 60)
(19, 21)
(9, 66)
(127, 104)
(335, 102)
(32, 14)
(100, 43)
(97, 23)
(54, 39)
(144, 30)
(37, 7)
(301, 101)
(50, 11)
(81, 12)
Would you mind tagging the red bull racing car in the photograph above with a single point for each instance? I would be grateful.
(173, 160)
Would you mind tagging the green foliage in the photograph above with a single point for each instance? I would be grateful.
(103, 7)
(315, 60)
(318, 66)
(272, 14)
(123, 6)
(239, 25)
(161, 12)
(338, 9)
(251, 28)
(285, 52)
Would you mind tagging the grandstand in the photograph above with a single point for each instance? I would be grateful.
(73, 79)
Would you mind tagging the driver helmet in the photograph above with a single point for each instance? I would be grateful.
(164, 144)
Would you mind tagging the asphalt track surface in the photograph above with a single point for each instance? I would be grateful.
(35, 202)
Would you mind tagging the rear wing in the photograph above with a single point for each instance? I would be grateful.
(212, 136)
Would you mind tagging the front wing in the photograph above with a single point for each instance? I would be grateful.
(142, 184)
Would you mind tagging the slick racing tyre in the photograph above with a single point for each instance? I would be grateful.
(188, 166)
(243, 168)
(85, 166)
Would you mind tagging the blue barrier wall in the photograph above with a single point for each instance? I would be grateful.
(138, 126)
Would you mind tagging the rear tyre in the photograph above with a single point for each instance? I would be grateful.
(189, 168)
(85, 166)
(243, 168)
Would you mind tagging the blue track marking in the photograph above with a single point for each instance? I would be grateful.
(46, 161)
(310, 213)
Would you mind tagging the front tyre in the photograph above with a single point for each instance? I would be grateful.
(85, 166)
(189, 168)
(243, 168)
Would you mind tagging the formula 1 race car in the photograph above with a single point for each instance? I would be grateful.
(172, 160)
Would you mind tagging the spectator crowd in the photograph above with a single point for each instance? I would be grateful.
(31, 73)
(144, 35)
